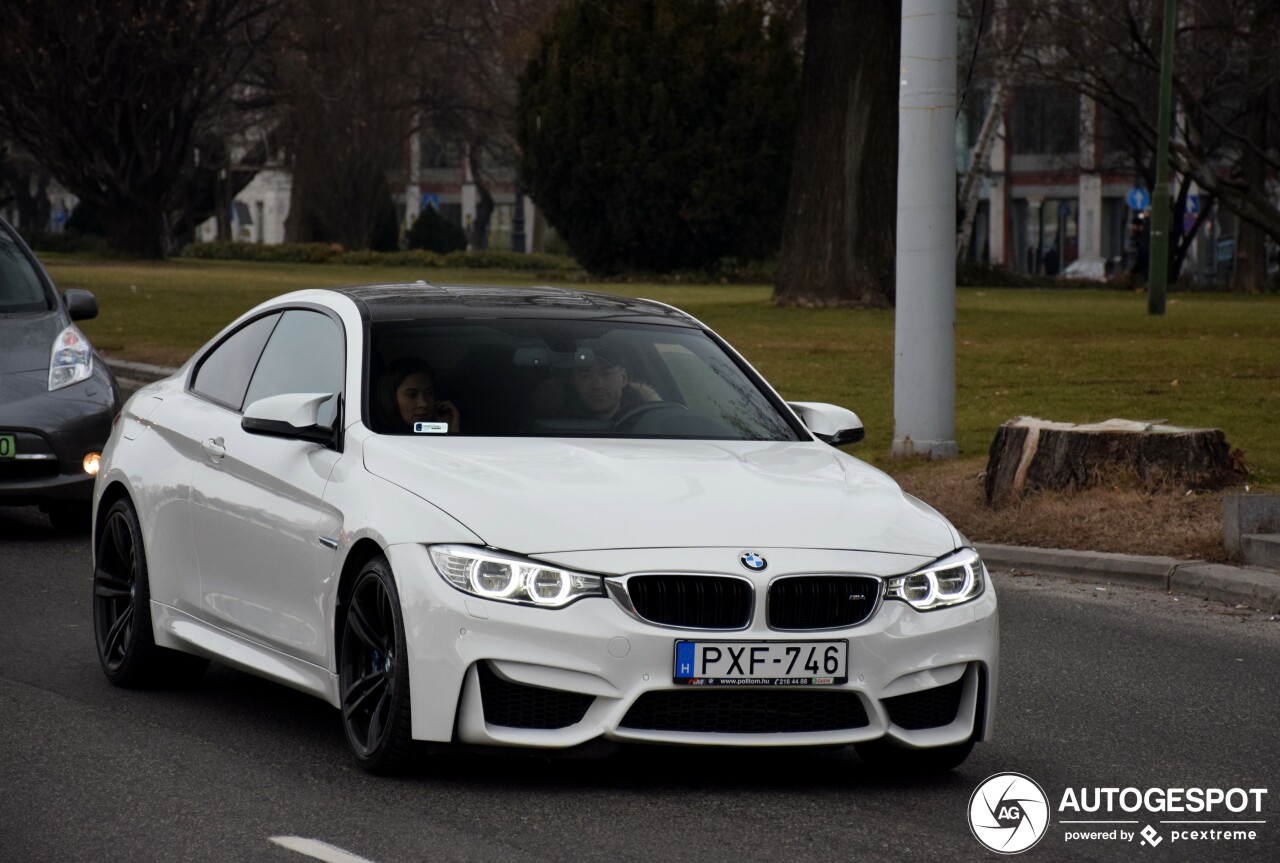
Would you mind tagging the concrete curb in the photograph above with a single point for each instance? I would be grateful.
(1236, 585)
(142, 372)
(1252, 586)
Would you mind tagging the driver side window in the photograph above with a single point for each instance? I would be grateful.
(304, 355)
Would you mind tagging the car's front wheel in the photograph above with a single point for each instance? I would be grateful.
(122, 609)
(373, 673)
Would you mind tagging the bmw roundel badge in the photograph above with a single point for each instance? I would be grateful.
(752, 561)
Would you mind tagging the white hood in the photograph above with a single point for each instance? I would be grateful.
(539, 496)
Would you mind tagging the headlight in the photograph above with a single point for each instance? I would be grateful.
(71, 360)
(952, 580)
(492, 575)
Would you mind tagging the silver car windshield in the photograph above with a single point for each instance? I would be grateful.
(556, 378)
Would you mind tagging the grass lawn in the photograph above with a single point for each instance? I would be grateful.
(1072, 355)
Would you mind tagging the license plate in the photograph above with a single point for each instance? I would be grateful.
(762, 663)
(8, 446)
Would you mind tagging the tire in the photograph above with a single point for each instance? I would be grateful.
(122, 610)
(74, 517)
(373, 674)
(885, 758)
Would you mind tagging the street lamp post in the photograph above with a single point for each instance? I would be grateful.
(924, 352)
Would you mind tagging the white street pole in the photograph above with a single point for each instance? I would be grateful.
(924, 368)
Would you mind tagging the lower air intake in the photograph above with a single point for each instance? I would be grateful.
(928, 708)
(741, 711)
(514, 705)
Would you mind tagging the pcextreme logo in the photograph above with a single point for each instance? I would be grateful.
(1009, 813)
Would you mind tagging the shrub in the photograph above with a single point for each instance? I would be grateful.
(657, 134)
(326, 253)
(284, 253)
(434, 233)
(68, 243)
(86, 219)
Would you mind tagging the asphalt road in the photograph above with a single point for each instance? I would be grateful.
(1111, 688)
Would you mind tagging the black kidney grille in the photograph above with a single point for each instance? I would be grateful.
(514, 705)
(694, 601)
(821, 601)
(742, 711)
(928, 708)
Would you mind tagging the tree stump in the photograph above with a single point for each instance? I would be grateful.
(1030, 453)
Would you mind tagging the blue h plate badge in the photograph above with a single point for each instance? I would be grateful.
(685, 655)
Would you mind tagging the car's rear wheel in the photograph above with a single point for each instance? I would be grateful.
(883, 757)
(373, 673)
(122, 609)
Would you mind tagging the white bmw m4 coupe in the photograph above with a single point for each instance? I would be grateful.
(532, 517)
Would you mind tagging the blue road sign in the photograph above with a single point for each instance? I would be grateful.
(1138, 199)
(430, 199)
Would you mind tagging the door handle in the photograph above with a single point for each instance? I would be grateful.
(213, 446)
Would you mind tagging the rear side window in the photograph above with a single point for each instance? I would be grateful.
(224, 373)
(304, 355)
(20, 287)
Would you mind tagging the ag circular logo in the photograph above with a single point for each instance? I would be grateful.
(752, 561)
(1009, 813)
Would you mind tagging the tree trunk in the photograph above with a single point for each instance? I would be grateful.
(135, 231)
(479, 238)
(1251, 241)
(838, 234)
(1029, 454)
(971, 185)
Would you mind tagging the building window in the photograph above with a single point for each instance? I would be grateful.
(1046, 121)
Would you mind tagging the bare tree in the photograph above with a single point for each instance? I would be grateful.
(344, 76)
(838, 234)
(109, 97)
(1226, 85)
(467, 93)
(356, 80)
(999, 39)
(24, 184)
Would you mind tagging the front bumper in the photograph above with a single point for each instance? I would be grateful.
(594, 654)
(54, 432)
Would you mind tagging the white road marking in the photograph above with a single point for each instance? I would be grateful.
(317, 849)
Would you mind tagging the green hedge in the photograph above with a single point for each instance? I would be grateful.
(325, 253)
(67, 243)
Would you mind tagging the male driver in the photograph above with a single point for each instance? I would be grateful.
(602, 390)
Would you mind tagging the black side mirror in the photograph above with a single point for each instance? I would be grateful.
(81, 305)
(293, 415)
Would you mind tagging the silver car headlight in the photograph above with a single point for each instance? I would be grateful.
(956, 578)
(71, 359)
(493, 575)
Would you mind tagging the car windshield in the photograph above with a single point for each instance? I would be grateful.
(20, 287)
(557, 378)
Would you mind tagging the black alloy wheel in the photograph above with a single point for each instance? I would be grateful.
(373, 673)
(122, 609)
